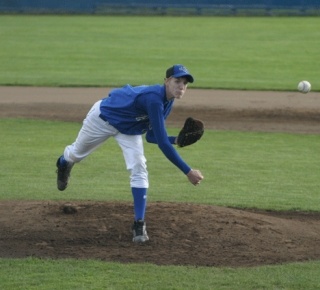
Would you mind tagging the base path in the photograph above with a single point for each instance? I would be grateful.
(220, 110)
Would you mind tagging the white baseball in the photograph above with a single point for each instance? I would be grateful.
(304, 87)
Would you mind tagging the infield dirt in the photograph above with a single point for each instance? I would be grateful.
(180, 234)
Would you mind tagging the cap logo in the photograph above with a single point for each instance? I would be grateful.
(184, 69)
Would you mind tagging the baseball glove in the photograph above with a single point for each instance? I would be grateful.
(191, 132)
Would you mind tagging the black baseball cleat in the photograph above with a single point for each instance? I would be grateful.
(63, 174)
(139, 232)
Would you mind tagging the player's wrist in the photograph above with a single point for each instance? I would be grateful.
(189, 172)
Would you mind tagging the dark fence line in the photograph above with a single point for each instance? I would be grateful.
(163, 7)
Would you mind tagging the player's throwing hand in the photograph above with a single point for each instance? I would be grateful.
(195, 176)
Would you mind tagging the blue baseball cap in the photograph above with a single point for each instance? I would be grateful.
(179, 71)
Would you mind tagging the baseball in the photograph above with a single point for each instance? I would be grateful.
(304, 87)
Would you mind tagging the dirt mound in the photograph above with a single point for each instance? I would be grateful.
(180, 234)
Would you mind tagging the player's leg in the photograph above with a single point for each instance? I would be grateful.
(93, 133)
(132, 148)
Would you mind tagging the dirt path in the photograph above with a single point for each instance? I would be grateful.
(221, 110)
(180, 234)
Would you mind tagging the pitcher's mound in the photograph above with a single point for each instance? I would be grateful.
(180, 234)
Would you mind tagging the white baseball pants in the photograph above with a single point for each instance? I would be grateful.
(95, 131)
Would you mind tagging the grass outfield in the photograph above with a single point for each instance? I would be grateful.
(263, 53)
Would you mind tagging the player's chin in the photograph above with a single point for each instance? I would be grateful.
(179, 95)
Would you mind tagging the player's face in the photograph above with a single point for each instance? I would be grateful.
(175, 87)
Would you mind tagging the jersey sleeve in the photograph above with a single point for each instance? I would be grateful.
(159, 136)
(152, 139)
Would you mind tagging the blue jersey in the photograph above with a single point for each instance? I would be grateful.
(139, 110)
(128, 108)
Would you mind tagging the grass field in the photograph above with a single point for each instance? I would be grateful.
(222, 52)
(85, 275)
(228, 53)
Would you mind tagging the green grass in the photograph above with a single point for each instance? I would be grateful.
(263, 170)
(264, 53)
(77, 274)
